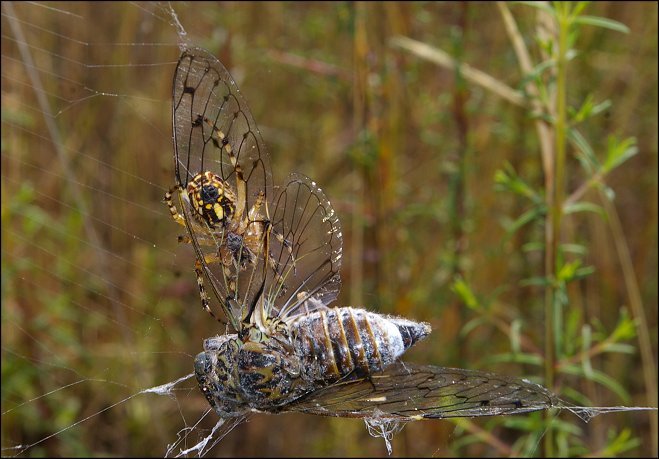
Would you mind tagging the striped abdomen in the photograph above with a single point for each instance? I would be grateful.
(333, 343)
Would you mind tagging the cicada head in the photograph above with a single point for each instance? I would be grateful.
(216, 375)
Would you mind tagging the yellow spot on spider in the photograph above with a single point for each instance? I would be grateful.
(219, 211)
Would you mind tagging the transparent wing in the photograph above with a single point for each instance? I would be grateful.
(306, 244)
(204, 92)
(214, 131)
(407, 392)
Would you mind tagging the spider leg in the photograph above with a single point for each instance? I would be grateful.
(202, 241)
(178, 218)
(221, 142)
(205, 300)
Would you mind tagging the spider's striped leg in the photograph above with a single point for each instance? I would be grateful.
(220, 141)
(178, 218)
(205, 300)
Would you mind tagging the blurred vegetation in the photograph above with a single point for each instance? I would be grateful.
(494, 167)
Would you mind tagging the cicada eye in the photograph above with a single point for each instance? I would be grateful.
(202, 364)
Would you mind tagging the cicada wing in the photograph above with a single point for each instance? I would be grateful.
(306, 245)
(408, 392)
(206, 100)
(214, 131)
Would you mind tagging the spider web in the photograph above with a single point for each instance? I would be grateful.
(101, 317)
(100, 311)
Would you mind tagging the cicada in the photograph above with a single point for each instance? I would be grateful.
(272, 258)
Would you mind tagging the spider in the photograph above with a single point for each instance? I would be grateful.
(220, 219)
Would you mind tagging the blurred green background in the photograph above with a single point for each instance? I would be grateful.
(428, 170)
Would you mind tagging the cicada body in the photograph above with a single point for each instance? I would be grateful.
(312, 351)
(334, 343)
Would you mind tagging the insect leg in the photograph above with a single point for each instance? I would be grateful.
(205, 301)
(178, 218)
(220, 141)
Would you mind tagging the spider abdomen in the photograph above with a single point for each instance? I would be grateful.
(335, 343)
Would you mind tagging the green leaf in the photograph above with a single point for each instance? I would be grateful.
(625, 328)
(601, 107)
(576, 207)
(584, 153)
(620, 348)
(576, 396)
(568, 271)
(535, 73)
(618, 152)
(588, 109)
(508, 179)
(586, 343)
(533, 246)
(600, 378)
(527, 217)
(515, 336)
(537, 281)
(584, 272)
(463, 291)
(620, 443)
(541, 6)
(578, 8)
(602, 22)
(578, 115)
(515, 357)
(473, 324)
(578, 249)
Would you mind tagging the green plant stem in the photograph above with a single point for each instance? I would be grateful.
(556, 196)
(559, 182)
(553, 306)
